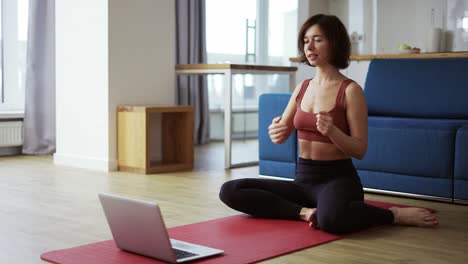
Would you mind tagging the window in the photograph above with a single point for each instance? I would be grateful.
(249, 31)
(2, 92)
(282, 31)
(226, 23)
(465, 23)
(13, 45)
(262, 32)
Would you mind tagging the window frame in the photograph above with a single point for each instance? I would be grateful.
(2, 84)
(12, 96)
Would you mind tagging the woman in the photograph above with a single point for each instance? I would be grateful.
(330, 115)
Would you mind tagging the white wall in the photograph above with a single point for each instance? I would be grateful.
(82, 85)
(141, 57)
(368, 15)
(456, 36)
(339, 8)
(407, 21)
(109, 52)
(318, 7)
(387, 23)
(308, 8)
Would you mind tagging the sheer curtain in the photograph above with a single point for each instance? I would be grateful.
(39, 113)
(191, 48)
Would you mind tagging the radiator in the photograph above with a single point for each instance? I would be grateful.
(11, 133)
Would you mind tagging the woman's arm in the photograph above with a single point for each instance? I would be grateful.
(282, 126)
(355, 144)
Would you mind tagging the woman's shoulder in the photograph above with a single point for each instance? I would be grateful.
(300, 85)
(354, 92)
(353, 87)
(306, 81)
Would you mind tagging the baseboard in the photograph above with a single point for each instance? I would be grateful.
(409, 195)
(275, 178)
(377, 191)
(10, 151)
(85, 162)
(459, 201)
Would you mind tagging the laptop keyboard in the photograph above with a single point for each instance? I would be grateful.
(183, 254)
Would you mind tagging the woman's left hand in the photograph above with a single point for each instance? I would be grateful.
(325, 123)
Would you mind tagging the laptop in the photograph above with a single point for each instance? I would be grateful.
(138, 227)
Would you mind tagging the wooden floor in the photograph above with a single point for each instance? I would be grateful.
(45, 207)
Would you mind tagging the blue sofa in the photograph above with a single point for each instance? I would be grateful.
(418, 130)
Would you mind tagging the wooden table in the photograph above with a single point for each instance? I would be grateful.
(228, 70)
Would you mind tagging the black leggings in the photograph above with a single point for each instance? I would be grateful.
(333, 187)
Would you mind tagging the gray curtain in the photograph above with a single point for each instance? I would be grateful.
(39, 113)
(191, 48)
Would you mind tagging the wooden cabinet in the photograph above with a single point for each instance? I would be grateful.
(136, 135)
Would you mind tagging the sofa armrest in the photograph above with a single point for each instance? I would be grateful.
(275, 159)
(461, 165)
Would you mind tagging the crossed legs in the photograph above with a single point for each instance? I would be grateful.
(266, 198)
(336, 206)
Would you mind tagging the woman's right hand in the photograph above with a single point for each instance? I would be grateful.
(278, 132)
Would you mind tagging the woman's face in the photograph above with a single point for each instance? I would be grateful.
(316, 46)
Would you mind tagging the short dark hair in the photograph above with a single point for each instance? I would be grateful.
(337, 36)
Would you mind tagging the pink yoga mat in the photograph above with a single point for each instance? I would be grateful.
(244, 239)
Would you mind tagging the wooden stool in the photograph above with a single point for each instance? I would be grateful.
(134, 137)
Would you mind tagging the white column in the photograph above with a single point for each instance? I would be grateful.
(141, 59)
(108, 52)
(82, 84)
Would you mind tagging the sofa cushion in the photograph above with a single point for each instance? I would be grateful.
(270, 106)
(409, 146)
(461, 164)
(427, 88)
(277, 169)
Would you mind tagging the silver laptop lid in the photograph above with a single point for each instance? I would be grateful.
(137, 226)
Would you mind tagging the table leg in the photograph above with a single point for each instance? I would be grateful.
(227, 119)
(292, 81)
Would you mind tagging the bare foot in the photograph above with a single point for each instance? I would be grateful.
(413, 216)
(308, 215)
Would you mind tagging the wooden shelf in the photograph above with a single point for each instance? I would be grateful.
(235, 67)
(436, 55)
(134, 137)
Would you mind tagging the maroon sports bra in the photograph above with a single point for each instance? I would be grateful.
(305, 122)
